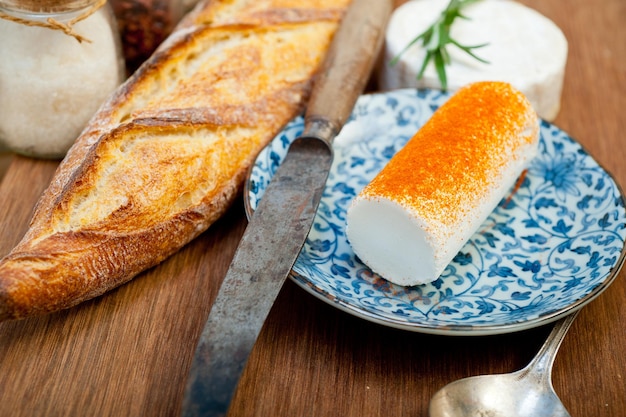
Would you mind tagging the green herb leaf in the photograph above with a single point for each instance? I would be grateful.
(437, 37)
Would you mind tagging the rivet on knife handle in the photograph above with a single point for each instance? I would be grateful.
(279, 227)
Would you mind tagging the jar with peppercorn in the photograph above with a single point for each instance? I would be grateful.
(60, 60)
(145, 24)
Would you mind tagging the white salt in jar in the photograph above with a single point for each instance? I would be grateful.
(59, 61)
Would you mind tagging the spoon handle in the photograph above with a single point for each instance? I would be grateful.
(540, 367)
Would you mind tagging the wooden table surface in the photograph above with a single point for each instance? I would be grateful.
(128, 353)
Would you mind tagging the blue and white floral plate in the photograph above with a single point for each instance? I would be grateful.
(548, 249)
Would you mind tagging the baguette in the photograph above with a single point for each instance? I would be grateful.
(167, 154)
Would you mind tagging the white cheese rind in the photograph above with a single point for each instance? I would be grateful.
(525, 49)
(400, 245)
(411, 220)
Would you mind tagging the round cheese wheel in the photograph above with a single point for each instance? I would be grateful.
(524, 48)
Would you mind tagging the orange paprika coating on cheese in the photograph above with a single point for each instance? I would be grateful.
(458, 155)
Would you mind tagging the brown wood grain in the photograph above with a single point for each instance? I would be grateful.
(127, 353)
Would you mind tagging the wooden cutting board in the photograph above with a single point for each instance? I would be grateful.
(127, 353)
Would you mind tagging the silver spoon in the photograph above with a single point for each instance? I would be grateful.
(525, 393)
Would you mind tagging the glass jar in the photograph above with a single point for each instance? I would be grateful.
(59, 61)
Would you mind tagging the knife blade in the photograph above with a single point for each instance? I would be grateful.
(278, 229)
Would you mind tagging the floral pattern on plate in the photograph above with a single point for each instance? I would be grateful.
(551, 246)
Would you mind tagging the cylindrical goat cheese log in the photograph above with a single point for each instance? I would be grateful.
(521, 47)
(411, 220)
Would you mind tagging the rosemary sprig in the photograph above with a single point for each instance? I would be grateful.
(436, 38)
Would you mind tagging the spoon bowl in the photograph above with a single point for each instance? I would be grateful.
(525, 393)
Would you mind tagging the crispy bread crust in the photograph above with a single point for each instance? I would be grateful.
(166, 155)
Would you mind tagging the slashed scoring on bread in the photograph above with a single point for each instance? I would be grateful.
(166, 155)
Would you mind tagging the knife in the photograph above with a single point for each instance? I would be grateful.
(278, 229)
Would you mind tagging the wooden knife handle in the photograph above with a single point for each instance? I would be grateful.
(347, 67)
